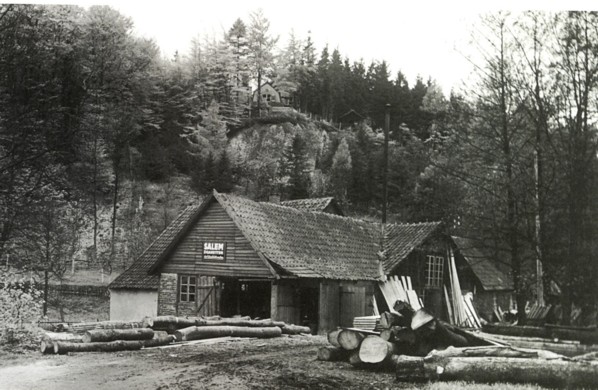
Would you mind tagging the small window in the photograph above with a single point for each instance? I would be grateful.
(187, 288)
(434, 271)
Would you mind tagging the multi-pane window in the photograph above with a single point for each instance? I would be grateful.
(187, 288)
(434, 271)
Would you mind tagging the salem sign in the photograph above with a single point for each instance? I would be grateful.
(214, 251)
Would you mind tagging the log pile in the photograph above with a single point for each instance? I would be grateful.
(112, 336)
(417, 347)
(403, 331)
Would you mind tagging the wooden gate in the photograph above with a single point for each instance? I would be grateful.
(208, 294)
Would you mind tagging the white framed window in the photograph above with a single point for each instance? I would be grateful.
(434, 271)
(187, 288)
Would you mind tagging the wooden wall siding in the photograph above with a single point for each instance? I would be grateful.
(329, 305)
(285, 305)
(215, 225)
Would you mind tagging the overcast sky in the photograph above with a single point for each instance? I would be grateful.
(426, 38)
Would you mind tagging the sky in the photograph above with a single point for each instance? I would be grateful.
(429, 38)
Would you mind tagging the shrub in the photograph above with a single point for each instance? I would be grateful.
(20, 308)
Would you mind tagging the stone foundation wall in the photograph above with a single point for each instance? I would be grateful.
(167, 295)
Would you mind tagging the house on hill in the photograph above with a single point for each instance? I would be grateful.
(273, 97)
(302, 264)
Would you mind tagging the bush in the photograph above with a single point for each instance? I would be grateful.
(20, 309)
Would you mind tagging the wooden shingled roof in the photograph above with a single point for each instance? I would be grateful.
(307, 244)
(295, 242)
(313, 204)
(401, 239)
(488, 273)
(137, 276)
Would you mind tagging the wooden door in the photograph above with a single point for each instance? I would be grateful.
(352, 304)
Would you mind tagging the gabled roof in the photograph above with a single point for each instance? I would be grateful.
(313, 204)
(401, 239)
(137, 276)
(307, 244)
(486, 270)
(297, 242)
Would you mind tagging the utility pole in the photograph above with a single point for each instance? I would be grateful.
(385, 162)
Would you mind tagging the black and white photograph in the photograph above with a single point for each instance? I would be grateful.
(298, 195)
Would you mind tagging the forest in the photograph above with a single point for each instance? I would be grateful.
(103, 141)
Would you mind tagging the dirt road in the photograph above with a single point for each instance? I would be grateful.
(281, 363)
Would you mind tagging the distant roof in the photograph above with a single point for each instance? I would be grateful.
(137, 275)
(486, 270)
(401, 239)
(314, 204)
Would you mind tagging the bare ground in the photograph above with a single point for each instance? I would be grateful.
(281, 363)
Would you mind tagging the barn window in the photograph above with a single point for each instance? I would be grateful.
(187, 288)
(434, 271)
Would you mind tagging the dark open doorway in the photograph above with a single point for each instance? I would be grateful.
(245, 297)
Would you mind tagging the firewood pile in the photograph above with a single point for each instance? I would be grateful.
(110, 336)
(416, 347)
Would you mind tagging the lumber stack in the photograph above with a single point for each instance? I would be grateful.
(399, 288)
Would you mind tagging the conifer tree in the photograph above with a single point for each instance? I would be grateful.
(340, 173)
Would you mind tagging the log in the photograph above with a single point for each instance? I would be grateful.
(105, 335)
(405, 310)
(408, 368)
(445, 337)
(295, 329)
(47, 346)
(561, 333)
(54, 336)
(494, 351)
(158, 341)
(355, 360)
(388, 320)
(350, 339)
(333, 337)
(85, 326)
(208, 332)
(550, 373)
(63, 347)
(566, 349)
(242, 322)
(375, 350)
(332, 354)
(172, 323)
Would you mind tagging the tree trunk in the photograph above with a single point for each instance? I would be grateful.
(493, 351)
(333, 337)
(295, 329)
(259, 93)
(583, 336)
(375, 350)
(350, 339)
(105, 335)
(332, 354)
(388, 320)
(208, 332)
(172, 323)
(120, 345)
(551, 373)
(85, 326)
(569, 348)
(409, 368)
(114, 209)
(46, 287)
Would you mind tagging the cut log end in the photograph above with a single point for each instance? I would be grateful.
(374, 349)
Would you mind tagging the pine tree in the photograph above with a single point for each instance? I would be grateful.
(224, 174)
(209, 174)
(340, 173)
(296, 166)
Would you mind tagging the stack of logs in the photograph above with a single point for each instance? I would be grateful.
(109, 336)
(406, 332)
(418, 347)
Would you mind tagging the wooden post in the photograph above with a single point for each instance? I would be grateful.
(385, 164)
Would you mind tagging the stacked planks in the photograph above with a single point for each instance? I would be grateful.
(367, 322)
(461, 311)
(396, 288)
